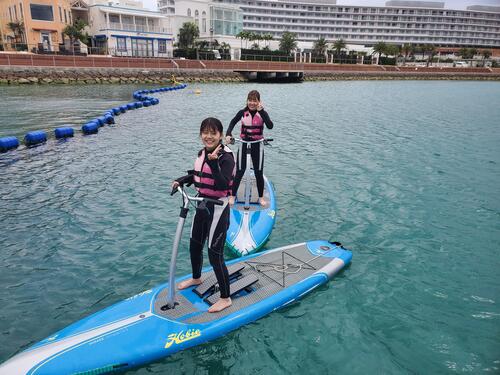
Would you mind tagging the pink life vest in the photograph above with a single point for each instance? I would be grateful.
(252, 128)
(203, 179)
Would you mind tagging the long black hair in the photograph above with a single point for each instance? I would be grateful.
(211, 123)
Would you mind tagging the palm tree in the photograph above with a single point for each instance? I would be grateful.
(188, 33)
(225, 46)
(339, 45)
(380, 48)
(244, 35)
(320, 46)
(486, 55)
(288, 42)
(267, 38)
(430, 49)
(407, 49)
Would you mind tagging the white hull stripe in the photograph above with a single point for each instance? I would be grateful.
(25, 361)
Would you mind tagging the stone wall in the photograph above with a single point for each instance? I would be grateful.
(46, 75)
(58, 75)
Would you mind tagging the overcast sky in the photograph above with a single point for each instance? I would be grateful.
(450, 4)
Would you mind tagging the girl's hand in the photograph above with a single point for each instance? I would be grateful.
(260, 106)
(175, 185)
(229, 140)
(214, 155)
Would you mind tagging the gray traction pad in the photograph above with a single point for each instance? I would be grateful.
(235, 287)
(211, 280)
(262, 289)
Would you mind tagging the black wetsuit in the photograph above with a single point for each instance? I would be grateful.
(212, 221)
(256, 152)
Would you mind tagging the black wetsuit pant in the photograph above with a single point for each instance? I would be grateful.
(257, 155)
(210, 223)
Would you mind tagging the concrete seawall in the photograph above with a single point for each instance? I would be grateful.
(210, 73)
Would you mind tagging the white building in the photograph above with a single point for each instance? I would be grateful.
(216, 21)
(399, 22)
(125, 28)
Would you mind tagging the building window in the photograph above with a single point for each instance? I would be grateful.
(189, 12)
(15, 12)
(162, 46)
(65, 16)
(41, 12)
(60, 14)
(121, 44)
(21, 10)
(10, 15)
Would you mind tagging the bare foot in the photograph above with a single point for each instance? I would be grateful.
(187, 283)
(220, 305)
(231, 200)
(262, 202)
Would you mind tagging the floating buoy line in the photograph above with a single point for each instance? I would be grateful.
(37, 137)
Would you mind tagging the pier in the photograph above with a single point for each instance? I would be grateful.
(279, 76)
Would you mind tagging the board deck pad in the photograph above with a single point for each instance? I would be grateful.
(211, 280)
(298, 262)
(234, 288)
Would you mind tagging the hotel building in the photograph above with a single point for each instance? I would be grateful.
(398, 22)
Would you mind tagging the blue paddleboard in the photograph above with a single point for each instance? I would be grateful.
(251, 225)
(142, 329)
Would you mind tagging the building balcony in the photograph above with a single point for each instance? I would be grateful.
(130, 27)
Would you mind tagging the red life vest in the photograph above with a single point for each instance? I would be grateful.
(203, 179)
(252, 128)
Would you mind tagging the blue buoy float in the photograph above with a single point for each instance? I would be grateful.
(109, 119)
(8, 143)
(90, 128)
(64, 132)
(35, 137)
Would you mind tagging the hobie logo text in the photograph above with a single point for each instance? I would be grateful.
(177, 338)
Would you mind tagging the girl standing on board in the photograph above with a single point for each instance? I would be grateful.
(252, 117)
(212, 176)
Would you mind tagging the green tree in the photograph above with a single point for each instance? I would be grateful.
(225, 46)
(17, 27)
(188, 34)
(486, 55)
(338, 46)
(380, 48)
(407, 50)
(267, 38)
(288, 42)
(431, 51)
(75, 32)
(244, 35)
(320, 46)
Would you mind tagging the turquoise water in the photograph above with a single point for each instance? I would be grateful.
(406, 174)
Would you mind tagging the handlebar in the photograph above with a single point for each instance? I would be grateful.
(196, 199)
(263, 140)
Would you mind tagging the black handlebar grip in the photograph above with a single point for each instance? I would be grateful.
(174, 190)
(269, 139)
(214, 201)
